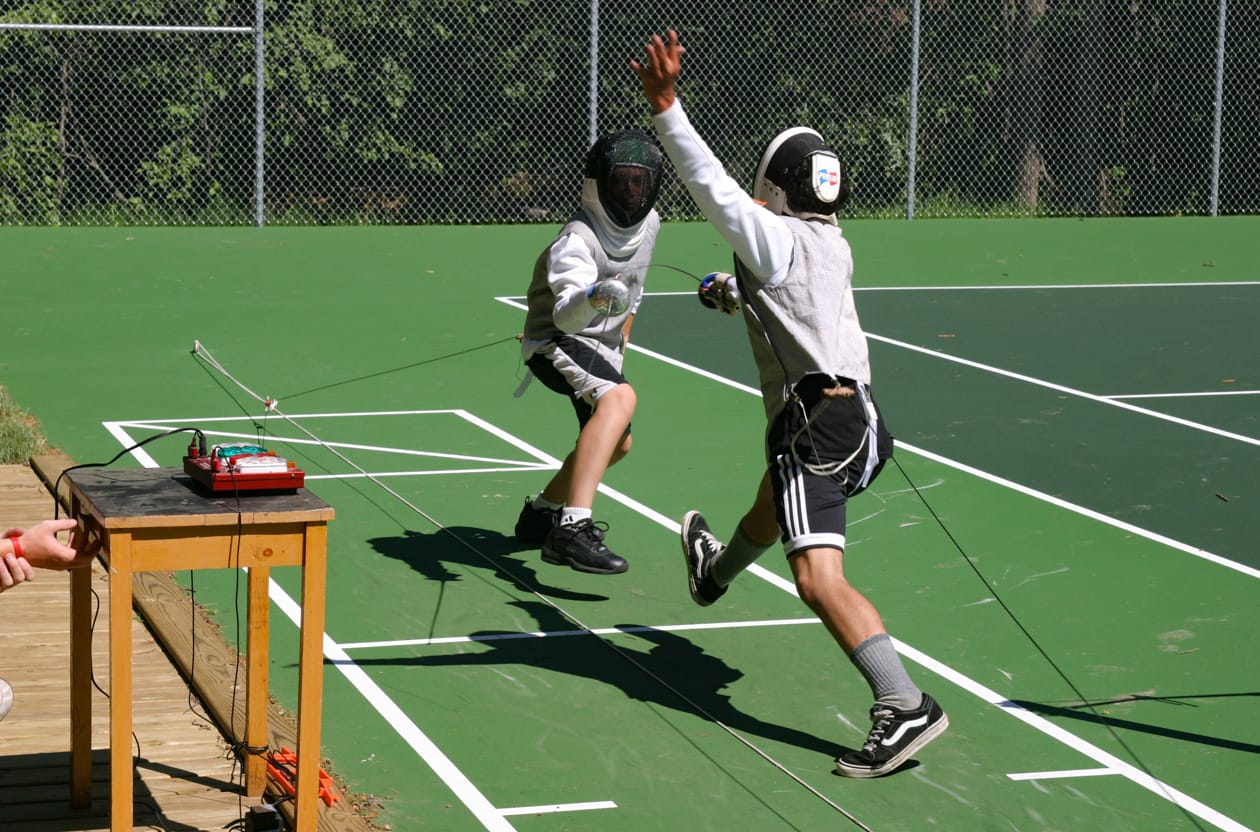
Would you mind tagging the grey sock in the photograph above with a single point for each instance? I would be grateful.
(738, 555)
(878, 662)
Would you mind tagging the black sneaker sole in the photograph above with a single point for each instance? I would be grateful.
(578, 566)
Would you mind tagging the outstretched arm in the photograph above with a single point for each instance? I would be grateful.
(40, 547)
(659, 75)
(21, 551)
(760, 240)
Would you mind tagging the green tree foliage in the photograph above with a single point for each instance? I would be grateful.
(427, 111)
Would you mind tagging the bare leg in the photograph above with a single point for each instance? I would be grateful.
(848, 615)
(600, 444)
(557, 490)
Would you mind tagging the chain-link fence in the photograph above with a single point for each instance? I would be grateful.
(452, 111)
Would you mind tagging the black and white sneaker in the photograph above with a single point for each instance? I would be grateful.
(700, 547)
(895, 737)
(581, 546)
(534, 523)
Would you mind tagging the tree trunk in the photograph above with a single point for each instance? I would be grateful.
(1026, 104)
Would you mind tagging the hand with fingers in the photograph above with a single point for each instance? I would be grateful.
(39, 548)
(659, 72)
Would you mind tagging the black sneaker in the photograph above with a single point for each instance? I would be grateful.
(581, 546)
(534, 523)
(895, 736)
(700, 547)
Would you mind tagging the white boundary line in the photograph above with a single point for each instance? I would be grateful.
(1071, 391)
(559, 807)
(1067, 773)
(1204, 394)
(601, 631)
(1084, 512)
(493, 818)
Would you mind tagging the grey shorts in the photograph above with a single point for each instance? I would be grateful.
(821, 451)
(582, 369)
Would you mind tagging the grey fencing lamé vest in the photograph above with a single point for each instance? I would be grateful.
(539, 325)
(808, 323)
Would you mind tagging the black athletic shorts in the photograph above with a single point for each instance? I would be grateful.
(821, 451)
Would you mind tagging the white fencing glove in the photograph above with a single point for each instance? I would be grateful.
(719, 291)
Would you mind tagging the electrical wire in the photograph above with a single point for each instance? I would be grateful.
(819, 469)
(200, 352)
(96, 612)
(1062, 674)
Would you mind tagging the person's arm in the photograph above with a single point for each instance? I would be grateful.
(759, 239)
(571, 272)
(13, 569)
(40, 547)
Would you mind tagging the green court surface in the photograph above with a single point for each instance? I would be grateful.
(1065, 552)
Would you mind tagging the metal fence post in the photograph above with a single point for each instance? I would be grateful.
(912, 139)
(1220, 104)
(259, 117)
(593, 88)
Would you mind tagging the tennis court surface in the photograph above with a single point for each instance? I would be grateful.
(1065, 552)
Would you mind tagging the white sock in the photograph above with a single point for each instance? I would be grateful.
(572, 515)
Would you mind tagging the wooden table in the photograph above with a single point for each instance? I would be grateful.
(159, 519)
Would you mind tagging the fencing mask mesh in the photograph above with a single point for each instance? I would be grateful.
(626, 167)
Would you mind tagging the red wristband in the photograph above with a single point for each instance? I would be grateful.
(17, 547)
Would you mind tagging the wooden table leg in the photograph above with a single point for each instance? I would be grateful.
(311, 675)
(81, 687)
(121, 792)
(256, 679)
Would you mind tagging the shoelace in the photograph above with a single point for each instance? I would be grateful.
(709, 548)
(710, 545)
(593, 531)
(883, 718)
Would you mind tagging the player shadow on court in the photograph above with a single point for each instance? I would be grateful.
(646, 674)
(435, 554)
(1084, 714)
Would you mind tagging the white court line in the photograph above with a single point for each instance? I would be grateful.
(1204, 394)
(1071, 391)
(1084, 512)
(558, 807)
(493, 818)
(602, 631)
(294, 440)
(435, 473)
(1155, 786)
(1065, 774)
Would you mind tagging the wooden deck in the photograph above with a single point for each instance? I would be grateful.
(187, 778)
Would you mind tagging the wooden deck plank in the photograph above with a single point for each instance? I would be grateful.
(185, 770)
